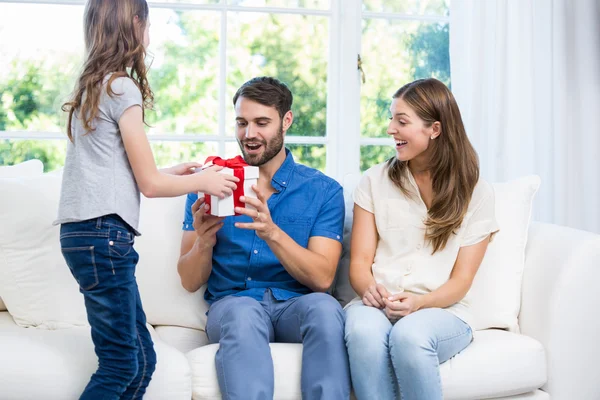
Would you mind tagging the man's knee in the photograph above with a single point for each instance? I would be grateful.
(240, 315)
(325, 313)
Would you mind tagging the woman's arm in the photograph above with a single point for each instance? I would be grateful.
(454, 290)
(464, 270)
(362, 254)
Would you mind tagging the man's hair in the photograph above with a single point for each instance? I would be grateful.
(268, 92)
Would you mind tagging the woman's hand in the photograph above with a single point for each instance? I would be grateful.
(374, 295)
(401, 304)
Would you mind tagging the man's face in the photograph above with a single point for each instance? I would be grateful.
(259, 131)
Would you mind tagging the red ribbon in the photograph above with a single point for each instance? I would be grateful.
(237, 164)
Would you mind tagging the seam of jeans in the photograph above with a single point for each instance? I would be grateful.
(226, 394)
(112, 265)
(145, 363)
(468, 330)
(83, 234)
(396, 382)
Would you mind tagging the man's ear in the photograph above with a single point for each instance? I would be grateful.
(288, 119)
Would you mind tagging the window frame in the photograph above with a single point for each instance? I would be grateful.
(343, 139)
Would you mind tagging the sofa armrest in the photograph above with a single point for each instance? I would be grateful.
(560, 305)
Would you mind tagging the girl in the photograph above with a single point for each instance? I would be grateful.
(425, 220)
(109, 161)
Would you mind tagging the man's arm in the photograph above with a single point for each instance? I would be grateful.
(314, 266)
(195, 260)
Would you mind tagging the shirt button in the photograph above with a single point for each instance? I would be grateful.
(409, 269)
(111, 243)
(249, 278)
(339, 237)
(419, 246)
(284, 183)
(255, 251)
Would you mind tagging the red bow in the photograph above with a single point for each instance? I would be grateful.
(237, 164)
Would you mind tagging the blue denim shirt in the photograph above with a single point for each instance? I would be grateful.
(306, 203)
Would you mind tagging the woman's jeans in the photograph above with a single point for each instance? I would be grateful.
(401, 360)
(100, 255)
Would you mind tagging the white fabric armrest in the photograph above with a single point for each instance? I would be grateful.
(560, 306)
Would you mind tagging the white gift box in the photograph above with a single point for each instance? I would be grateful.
(225, 207)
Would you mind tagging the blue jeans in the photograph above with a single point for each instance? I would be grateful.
(100, 255)
(401, 360)
(244, 327)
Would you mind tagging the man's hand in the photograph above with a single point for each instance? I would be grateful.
(374, 295)
(263, 224)
(401, 304)
(205, 225)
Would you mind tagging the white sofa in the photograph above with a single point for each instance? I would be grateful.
(553, 357)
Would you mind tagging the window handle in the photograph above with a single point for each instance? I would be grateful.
(360, 68)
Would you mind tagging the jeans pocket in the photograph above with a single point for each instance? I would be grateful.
(82, 263)
(121, 243)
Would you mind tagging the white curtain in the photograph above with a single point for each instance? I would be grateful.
(526, 75)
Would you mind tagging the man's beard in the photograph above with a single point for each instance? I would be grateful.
(271, 149)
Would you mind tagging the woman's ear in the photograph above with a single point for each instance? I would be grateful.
(436, 130)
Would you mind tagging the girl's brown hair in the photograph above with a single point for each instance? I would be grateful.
(453, 165)
(114, 44)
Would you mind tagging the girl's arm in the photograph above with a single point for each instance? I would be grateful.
(154, 183)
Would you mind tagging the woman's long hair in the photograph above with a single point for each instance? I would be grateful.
(453, 165)
(114, 44)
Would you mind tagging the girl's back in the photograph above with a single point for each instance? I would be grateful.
(98, 179)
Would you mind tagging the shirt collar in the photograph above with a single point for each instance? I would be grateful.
(282, 177)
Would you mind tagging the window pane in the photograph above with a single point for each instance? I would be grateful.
(315, 4)
(38, 71)
(394, 54)
(50, 152)
(373, 155)
(418, 7)
(184, 73)
(185, 2)
(292, 48)
(311, 155)
(168, 154)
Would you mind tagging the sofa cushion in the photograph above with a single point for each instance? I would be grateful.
(496, 291)
(57, 364)
(183, 339)
(286, 362)
(498, 363)
(165, 300)
(35, 281)
(27, 168)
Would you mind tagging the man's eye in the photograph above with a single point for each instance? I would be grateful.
(241, 123)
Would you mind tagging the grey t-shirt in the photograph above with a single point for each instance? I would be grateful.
(97, 178)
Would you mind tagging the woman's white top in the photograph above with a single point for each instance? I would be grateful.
(403, 259)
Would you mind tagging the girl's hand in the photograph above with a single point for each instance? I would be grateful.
(182, 169)
(401, 304)
(210, 181)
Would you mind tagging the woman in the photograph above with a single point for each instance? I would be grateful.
(422, 224)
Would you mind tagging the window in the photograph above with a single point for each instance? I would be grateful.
(202, 50)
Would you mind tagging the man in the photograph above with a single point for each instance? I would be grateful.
(268, 269)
